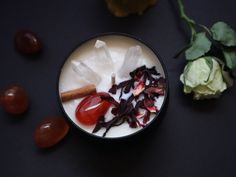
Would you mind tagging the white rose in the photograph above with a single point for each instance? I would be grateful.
(204, 78)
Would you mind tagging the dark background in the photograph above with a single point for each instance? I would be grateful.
(194, 138)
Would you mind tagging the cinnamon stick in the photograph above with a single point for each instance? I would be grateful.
(78, 93)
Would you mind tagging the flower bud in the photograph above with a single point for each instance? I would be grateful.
(203, 77)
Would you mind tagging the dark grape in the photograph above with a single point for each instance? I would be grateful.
(14, 100)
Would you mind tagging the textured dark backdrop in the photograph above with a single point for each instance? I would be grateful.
(194, 138)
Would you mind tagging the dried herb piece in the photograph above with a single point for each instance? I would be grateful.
(223, 33)
(146, 85)
(199, 46)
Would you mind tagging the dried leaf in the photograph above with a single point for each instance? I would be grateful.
(230, 58)
(223, 33)
(200, 46)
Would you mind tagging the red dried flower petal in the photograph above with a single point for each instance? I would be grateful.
(152, 109)
(139, 88)
(149, 105)
(146, 117)
(161, 83)
(110, 99)
(149, 84)
(113, 89)
(140, 115)
(154, 90)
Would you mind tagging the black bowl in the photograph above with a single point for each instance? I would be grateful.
(114, 41)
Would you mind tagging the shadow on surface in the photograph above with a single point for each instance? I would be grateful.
(115, 157)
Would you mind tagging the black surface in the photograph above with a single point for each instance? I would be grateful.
(194, 138)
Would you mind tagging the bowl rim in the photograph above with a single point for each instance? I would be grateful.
(123, 35)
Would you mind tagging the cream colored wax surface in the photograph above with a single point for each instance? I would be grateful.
(118, 46)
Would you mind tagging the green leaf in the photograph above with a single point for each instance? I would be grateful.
(200, 46)
(230, 58)
(223, 33)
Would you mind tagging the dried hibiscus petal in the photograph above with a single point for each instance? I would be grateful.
(114, 111)
(113, 89)
(154, 91)
(125, 83)
(138, 75)
(140, 115)
(149, 104)
(137, 71)
(109, 99)
(153, 71)
(146, 117)
(128, 87)
(99, 124)
(132, 122)
(161, 83)
(139, 88)
(139, 105)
